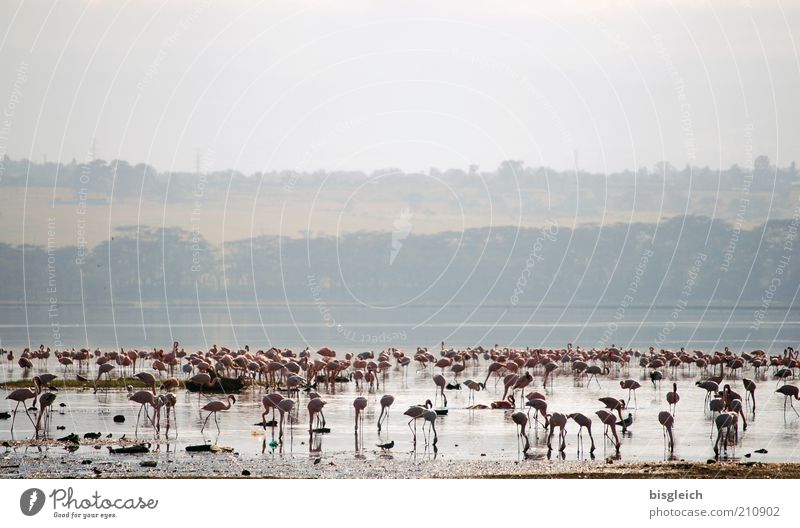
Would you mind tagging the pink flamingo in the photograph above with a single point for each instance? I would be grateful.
(440, 382)
(415, 412)
(359, 404)
(789, 392)
(216, 406)
(521, 420)
(106, 369)
(170, 400)
(21, 396)
(673, 398)
(429, 417)
(558, 420)
(750, 387)
(315, 408)
(386, 402)
(270, 401)
(610, 422)
(666, 419)
(148, 379)
(728, 421)
(45, 402)
(615, 405)
(540, 406)
(142, 398)
(473, 387)
(631, 385)
(583, 421)
(285, 407)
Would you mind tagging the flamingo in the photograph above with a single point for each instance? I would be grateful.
(148, 379)
(213, 407)
(494, 367)
(750, 387)
(631, 385)
(270, 401)
(416, 412)
(508, 403)
(521, 420)
(359, 404)
(386, 402)
(522, 382)
(284, 407)
(558, 420)
(142, 398)
(170, 400)
(726, 420)
(45, 402)
(105, 368)
(666, 419)
(440, 382)
(429, 417)
(21, 396)
(710, 386)
(673, 398)
(583, 421)
(170, 384)
(540, 406)
(473, 387)
(315, 406)
(656, 376)
(549, 368)
(593, 371)
(789, 392)
(610, 422)
(615, 405)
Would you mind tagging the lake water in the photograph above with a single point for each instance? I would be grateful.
(463, 433)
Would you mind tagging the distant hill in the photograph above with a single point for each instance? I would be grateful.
(684, 259)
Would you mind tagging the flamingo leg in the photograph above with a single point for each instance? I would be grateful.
(205, 422)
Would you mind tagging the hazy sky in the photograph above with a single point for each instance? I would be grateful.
(365, 85)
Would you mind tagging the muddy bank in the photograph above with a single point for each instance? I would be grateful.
(45, 464)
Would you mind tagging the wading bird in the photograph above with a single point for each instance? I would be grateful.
(216, 406)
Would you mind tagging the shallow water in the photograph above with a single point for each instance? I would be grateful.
(462, 434)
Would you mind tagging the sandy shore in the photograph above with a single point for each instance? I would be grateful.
(33, 463)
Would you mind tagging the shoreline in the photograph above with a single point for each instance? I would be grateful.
(370, 465)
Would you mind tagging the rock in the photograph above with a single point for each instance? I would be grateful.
(245, 473)
(747, 455)
(148, 463)
(119, 419)
(317, 460)
(60, 427)
(711, 461)
(761, 451)
(86, 462)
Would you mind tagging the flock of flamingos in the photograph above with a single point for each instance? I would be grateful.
(290, 377)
